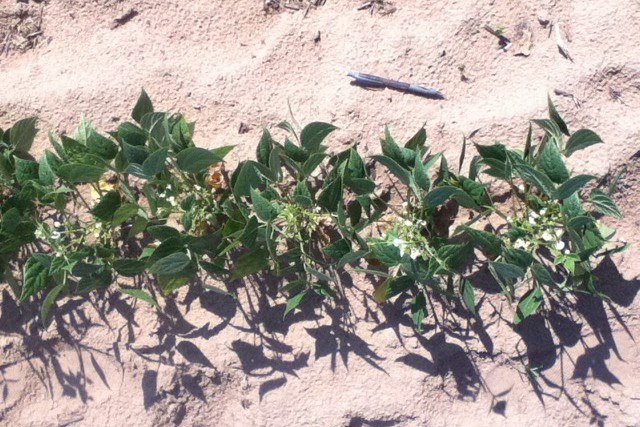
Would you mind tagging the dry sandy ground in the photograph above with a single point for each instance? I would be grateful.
(209, 361)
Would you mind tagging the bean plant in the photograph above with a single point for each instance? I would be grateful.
(142, 210)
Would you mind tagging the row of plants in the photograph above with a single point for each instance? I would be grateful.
(143, 210)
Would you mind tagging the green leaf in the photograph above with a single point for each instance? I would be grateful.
(141, 295)
(48, 302)
(250, 263)
(246, 178)
(468, 297)
(386, 253)
(417, 141)
(536, 178)
(419, 310)
(262, 207)
(196, 159)
(604, 204)
(541, 274)
(101, 146)
(550, 127)
(22, 134)
(223, 151)
(142, 107)
(454, 255)
(331, 195)
(170, 265)
(124, 212)
(313, 134)
(555, 116)
(26, 170)
(132, 134)
(581, 139)
(420, 175)
(401, 173)
(361, 186)
(338, 249)
(263, 151)
(129, 267)
(294, 302)
(77, 173)
(439, 195)
(313, 162)
(134, 153)
(34, 278)
(505, 273)
(550, 162)
(163, 232)
(170, 284)
(391, 287)
(154, 164)
(529, 304)
(485, 240)
(48, 164)
(107, 206)
(573, 185)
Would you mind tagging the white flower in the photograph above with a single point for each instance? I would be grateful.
(197, 187)
(547, 236)
(508, 218)
(398, 242)
(55, 235)
(402, 250)
(520, 244)
(405, 204)
(414, 253)
(56, 224)
(38, 233)
(521, 188)
(162, 195)
(317, 209)
(566, 251)
(169, 187)
(543, 211)
(423, 223)
(532, 220)
(408, 223)
(559, 245)
(534, 214)
(558, 232)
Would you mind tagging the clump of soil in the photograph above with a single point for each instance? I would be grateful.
(20, 25)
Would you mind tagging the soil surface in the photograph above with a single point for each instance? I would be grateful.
(207, 360)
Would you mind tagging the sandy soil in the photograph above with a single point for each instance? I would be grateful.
(209, 361)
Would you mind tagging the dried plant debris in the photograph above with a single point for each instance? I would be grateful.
(21, 29)
(124, 18)
(560, 41)
(523, 39)
(503, 41)
(383, 7)
(275, 5)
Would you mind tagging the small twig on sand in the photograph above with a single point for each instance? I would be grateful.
(575, 100)
(505, 43)
(562, 45)
(123, 19)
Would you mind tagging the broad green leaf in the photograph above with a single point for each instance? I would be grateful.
(48, 164)
(418, 310)
(129, 267)
(604, 204)
(142, 107)
(551, 163)
(134, 153)
(391, 287)
(77, 173)
(550, 127)
(124, 212)
(48, 302)
(263, 151)
(581, 139)
(337, 249)
(485, 240)
(132, 134)
(420, 174)
(439, 195)
(169, 284)
(163, 232)
(223, 151)
(22, 134)
(528, 304)
(251, 263)
(313, 134)
(26, 170)
(101, 146)
(154, 164)
(107, 206)
(454, 255)
(505, 273)
(262, 207)
(536, 178)
(247, 178)
(34, 278)
(313, 162)
(196, 159)
(555, 116)
(170, 265)
(572, 186)
(294, 302)
(331, 195)
(386, 253)
(418, 140)
(401, 173)
(541, 274)
(141, 295)
(468, 297)
(361, 186)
